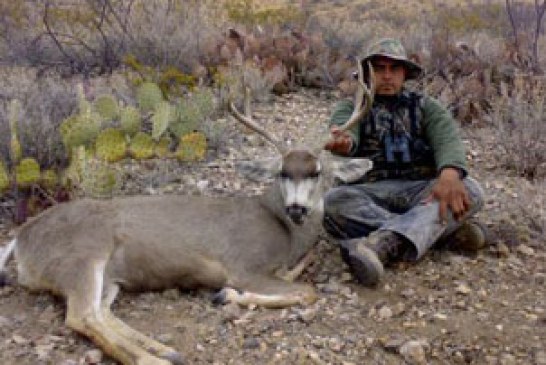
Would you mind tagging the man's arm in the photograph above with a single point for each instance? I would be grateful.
(342, 143)
(443, 135)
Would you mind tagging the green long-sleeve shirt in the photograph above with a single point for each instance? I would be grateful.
(439, 130)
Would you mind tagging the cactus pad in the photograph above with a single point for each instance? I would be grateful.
(130, 120)
(160, 120)
(80, 130)
(106, 106)
(4, 178)
(192, 147)
(49, 179)
(142, 146)
(111, 145)
(162, 148)
(148, 96)
(27, 173)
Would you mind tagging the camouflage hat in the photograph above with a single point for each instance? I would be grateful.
(393, 49)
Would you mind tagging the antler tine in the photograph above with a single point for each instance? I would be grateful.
(255, 127)
(363, 92)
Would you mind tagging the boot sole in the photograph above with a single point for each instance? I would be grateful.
(365, 265)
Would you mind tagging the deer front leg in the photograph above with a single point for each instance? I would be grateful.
(267, 292)
(296, 271)
(86, 316)
(150, 345)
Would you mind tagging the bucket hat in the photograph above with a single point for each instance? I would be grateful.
(393, 49)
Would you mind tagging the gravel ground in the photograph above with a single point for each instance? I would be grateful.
(450, 308)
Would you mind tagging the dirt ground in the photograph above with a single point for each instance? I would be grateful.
(450, 308)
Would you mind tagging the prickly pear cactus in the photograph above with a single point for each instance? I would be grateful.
(49, 179)
(187, 118)
(15, 147)
(162, 148)
(148, 96)
(192, 147)
(71, 177)
(4, 178)
(130, 120)
(98, 179)
(27, 173)
(111, 145)
(161, 118)
(142, 146)
(80, 130)
(106, 106)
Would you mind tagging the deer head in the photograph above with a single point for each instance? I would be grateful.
(299, 172)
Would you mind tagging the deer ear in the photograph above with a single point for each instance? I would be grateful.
(261, 170)
(351, 170)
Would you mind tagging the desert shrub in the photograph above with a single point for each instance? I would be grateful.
(252, 13)
(518, 115)
(45, 102)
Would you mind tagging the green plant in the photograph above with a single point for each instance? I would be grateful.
(162, 147)
(27, 173)
(98, 180)
(130, 120)
(111, 145)
(192, 147)
(148, 95)
(163, 114)
(106, 106)
(80, 130)
(49, 179)
(15, 145)
(142, 146)
(190, 112)
(4, 178)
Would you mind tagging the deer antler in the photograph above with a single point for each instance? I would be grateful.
(362, 92)
(247, 121)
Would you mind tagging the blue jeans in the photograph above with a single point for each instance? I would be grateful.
(353, 211)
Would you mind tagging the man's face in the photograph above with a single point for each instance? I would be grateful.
(389, 76)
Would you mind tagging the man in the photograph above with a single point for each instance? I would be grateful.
(418, 191)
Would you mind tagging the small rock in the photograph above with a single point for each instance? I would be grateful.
(463, 289)
(507, 359)
(165, 338)
(525, 250)
(251, 343)
(384, 312)
(414, 352)
(307, 314)
(19, 340)
(92, 356)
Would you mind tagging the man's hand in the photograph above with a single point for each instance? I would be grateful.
(340, 143)
(451, 193)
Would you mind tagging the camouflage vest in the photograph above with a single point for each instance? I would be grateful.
(392, 136)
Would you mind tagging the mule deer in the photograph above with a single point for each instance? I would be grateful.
(86, 250)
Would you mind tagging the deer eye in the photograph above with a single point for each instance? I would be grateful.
(314, 175)
(283, 175)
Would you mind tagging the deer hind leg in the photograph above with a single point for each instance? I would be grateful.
(86, 315)
(266, 291)
(150, 345)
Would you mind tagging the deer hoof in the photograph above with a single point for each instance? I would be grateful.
(4, 279)
(220, 297)
(175, 358)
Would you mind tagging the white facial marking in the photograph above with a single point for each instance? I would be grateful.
(299, 193)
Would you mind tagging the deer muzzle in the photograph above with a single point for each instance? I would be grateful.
(296, 213)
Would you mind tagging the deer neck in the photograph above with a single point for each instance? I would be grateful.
(302, 237)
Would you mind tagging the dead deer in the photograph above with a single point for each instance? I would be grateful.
(87, 250)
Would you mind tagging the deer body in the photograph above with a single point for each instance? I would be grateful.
(151, 242)
(87, 250)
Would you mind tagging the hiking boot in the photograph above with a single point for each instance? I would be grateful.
(367, 256)
(470, 236)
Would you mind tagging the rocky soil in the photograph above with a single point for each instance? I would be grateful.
(450, 308)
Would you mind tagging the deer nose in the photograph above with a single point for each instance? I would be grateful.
(296, 213)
